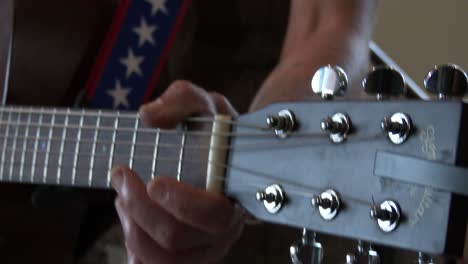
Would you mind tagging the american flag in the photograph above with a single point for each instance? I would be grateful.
(134, 53)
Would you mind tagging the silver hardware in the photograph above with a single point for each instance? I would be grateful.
(363, 255)
(387, 215)
(447, 80)
(7, 11)
(338, 126)
(425, 259)
(273, 198)
(329, 81)
(309, 251)
(328, 204)
(398, 127)
(384, 82)
(283, 124)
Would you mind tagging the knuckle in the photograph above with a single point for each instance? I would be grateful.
(183, 87)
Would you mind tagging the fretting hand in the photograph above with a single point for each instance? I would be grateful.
(171, 222)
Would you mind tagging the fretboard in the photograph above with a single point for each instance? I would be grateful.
(79, 148)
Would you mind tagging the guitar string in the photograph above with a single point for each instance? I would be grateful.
(352, 139)
(291, 187)
(122, 115)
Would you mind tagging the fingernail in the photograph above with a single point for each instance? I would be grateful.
(117, 179)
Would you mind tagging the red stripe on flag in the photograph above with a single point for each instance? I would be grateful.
(165, 54)
(106, 49)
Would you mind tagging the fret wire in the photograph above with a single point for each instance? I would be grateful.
(181, 156)
(46, 165)
(25, 144)
(93, 150)
(132, 151)
(5, 144)
(62, 148)
(112, 149)
(36, 144)
(155, 155)
(15, 139)
(77, 148)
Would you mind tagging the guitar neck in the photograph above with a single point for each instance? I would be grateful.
(79, 148)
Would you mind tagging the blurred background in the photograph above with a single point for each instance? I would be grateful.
(420, 34)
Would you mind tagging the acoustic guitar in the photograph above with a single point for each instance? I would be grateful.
(388, 172)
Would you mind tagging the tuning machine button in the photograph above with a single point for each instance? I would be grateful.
(328, 204)
(425, 259)
(387, 214)
(329, 81)
(309, 251)
(338, 126)
(273, 198)
(283, 124)
(397, 127)
(363, 255)
(447, 80)
(384, 82)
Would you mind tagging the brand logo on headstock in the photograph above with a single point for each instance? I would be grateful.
(429, 149)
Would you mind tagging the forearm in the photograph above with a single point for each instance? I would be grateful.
(319, 33)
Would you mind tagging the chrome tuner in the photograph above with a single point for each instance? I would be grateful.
(447, 80)
(384, 82)
(387, 215)
(283, 124)
(328, 204)
(363, 255)
(425, 259)
(273, 198)
(397, 127)
(338, 126)
(309, 251)
(329, 81)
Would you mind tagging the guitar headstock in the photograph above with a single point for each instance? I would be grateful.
(314, 167)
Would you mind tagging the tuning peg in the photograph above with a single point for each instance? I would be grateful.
(329, 81)
(328, 204)
(309, 251)
(363, 255)
(424, 259)
(447, 80)
(387, 214)
(383, 82)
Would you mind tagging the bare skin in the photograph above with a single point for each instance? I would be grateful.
(161, 223)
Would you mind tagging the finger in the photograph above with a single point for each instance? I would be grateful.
(211, 212)
(154, 220)
(145, 250)
(223, 106)
(180, 101)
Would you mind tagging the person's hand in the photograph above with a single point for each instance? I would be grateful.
(171, 222)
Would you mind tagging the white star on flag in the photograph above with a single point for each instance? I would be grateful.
(132, 63)
(119, 95)
(145, 32)
(157, 5)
